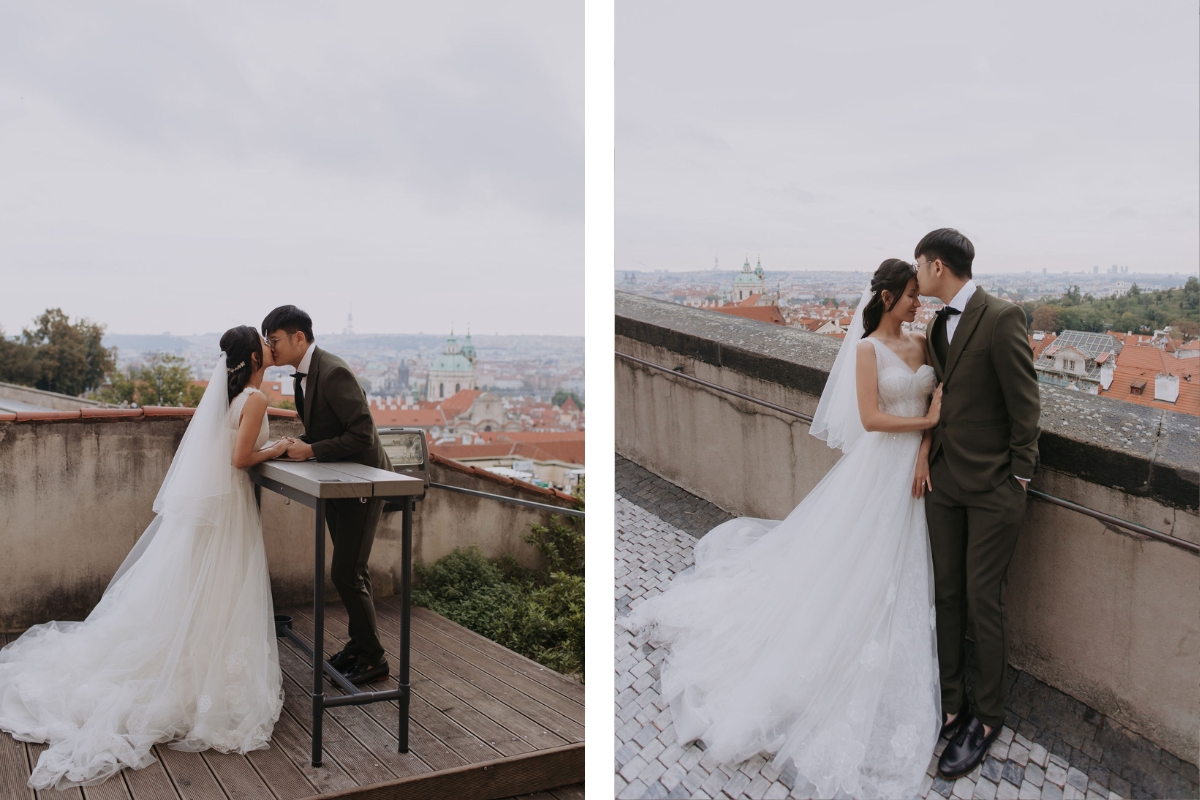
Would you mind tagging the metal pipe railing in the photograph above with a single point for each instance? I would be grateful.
(1107, 519)
(570, 512)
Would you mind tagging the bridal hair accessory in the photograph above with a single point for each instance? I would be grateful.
(836, 419)
(232, 370)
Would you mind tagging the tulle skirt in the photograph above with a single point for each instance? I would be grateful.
(180, 649)
(812, 638)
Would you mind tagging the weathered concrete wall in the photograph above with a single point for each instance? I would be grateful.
(76, 494)
(53, 400)
(1107, 616)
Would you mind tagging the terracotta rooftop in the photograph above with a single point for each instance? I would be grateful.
(761, 313)
(1137, 363)
(548, 449)
(459, 402)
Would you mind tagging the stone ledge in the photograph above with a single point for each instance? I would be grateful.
(1139, 450)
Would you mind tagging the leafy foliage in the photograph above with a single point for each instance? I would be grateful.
(539, 614)
(1137, 311)
(57, 356)
(165, 380)
(561, 396)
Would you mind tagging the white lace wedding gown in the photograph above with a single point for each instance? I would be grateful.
(181, 648)
(812, 638)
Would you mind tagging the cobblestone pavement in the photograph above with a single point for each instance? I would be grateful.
(1052, 746)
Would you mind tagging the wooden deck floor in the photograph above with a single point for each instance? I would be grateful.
(485, 723)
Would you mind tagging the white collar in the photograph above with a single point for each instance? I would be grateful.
(964, 295)
(307, 360)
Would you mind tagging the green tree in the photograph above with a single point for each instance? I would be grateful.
(165, 380)
(16, 362)
(69, 359)
(561, 396)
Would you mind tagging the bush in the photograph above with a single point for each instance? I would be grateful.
(538, 614)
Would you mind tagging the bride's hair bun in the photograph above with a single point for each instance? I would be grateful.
(893, 276)
(242, 346)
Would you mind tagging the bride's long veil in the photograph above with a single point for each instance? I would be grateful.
(199, 475)
(836, 420)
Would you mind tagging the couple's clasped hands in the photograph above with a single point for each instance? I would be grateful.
(290, 448)
(921, 481)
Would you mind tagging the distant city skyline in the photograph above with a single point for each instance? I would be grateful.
(827, 136)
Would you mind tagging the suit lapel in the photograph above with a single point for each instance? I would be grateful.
(938, 367)
(966, 326)
(310, 394)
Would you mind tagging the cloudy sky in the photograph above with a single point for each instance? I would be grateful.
(833, 135)
(187, 166)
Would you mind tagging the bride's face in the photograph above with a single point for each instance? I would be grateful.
(909, 304)
(268, 358)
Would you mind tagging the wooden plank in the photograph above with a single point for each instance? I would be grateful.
(33, 752)
(440, 742)
(279, 773)
(519, 663)
(336, 742)
(383, 482)
(536, 710)
(506, 777)
(112, 789)
(236, 776)
(517, 733)
(295, 743)
(14, 769)
(573, 792)
(149, 783)
(446, 701)
(192, 778)
(313, 479)
(451, 652)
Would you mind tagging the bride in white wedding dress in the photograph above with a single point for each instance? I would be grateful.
(812, 638)
(181, 648)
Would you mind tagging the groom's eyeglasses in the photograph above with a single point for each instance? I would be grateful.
(271, 342)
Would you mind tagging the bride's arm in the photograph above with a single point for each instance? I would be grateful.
(867, 386)
(244, 454)
(921, 482)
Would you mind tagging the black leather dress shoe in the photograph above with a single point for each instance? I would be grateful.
(343, 661)
(966, 750)
(362, 672)
(948, 728)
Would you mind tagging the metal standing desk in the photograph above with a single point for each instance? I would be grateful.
(313, 484)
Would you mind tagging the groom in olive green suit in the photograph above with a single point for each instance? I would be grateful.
(982, 455)
(337, 427)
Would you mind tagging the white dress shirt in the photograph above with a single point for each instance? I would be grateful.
(960, 303)
(304, 365)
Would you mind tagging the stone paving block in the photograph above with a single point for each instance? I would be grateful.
(634, 791)
(942, 786)
(652, 773)
(1018, 753)
(964, 788)
(1056, 774)
(632, 768)
(992, 769)
(1006, 791)
(1077, 779)
(673, 776)
(651, 751)
(1034, 774)
(1014, 773)
(985, 790)
(1006, 735)
(714, 783)
(736, 785)
(1038, 754)
(1028, 792)
(1071, 793)
(777, 791)
(1051, 792)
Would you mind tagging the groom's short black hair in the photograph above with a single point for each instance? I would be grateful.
(954, 249)
(288, 319)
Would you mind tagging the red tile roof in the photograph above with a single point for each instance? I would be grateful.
(761, 313)
(1136, 363)
(538, 446)
(459, 402)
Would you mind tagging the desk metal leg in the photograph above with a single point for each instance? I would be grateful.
(405, 619)
(318, 692)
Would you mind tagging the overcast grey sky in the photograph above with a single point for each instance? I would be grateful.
(833, 135)
(187, 166)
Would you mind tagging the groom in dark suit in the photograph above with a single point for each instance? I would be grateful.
(982, 455)
(337, 427)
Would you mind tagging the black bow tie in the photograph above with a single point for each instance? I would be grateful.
(947, 311)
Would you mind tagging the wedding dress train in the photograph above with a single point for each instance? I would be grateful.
(812, 638)
(180, 649)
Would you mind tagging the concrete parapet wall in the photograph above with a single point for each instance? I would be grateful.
(1107, 616)
(75, 495)
(51, 400)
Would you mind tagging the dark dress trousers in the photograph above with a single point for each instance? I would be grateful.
(988, 433)
(338, 425)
